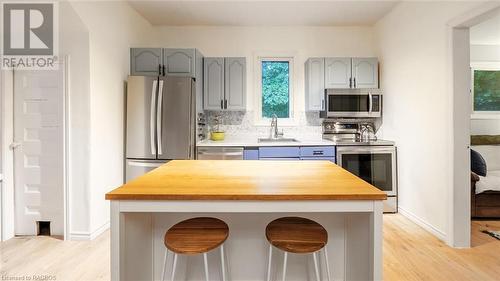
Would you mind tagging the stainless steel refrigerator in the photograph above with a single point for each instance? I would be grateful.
(160, 123)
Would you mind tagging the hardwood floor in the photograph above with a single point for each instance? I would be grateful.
(410, 253)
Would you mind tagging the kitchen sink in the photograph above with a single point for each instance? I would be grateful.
(278, 140)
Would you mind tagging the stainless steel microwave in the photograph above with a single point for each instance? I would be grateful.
(353, 104)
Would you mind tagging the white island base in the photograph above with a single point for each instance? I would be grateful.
(354, 239)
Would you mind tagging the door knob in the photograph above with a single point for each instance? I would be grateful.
(13, 145)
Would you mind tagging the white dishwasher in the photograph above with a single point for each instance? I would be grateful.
(219, 153)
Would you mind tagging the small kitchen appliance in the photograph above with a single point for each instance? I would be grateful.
(353, 104)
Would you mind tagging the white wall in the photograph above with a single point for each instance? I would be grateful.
(74, 43)
(251, 42)
(485, 126)
(108, 29)
(485, 53)
(414, 53)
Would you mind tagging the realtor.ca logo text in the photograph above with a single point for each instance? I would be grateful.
(29, 38)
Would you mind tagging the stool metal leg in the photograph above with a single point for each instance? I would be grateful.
(206, 265)
(316, 269)
(174, 265)
(222, 262)
(164, 266)
(269, 262)
(325, 252)
(284, 265)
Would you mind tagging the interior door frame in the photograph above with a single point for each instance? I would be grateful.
(7, 200)
(458, 205)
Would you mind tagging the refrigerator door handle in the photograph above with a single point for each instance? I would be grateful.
(159, 118)
(152, 119)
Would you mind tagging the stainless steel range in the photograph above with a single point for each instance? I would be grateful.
(361, 153)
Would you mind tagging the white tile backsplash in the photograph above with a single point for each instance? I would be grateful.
(238, 123)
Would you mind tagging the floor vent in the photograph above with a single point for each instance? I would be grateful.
(43, 228)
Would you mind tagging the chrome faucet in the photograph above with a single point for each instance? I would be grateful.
(274, 132)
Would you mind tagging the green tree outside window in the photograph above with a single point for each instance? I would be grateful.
(275, 89)
(486, 90)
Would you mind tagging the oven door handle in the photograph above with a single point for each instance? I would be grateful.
(375, 149)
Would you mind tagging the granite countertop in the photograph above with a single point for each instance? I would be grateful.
(252, 141)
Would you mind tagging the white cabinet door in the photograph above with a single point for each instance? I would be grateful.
(365, 73)
(235, 84)
(213, 88)
(338, 73)
(315, 84)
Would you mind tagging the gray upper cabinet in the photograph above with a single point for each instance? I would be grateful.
(145, 61)
(365, 73)
(315, 84)
(213, 88)
(179, 62)
(338, 73)
(224, 84)
(235, 84)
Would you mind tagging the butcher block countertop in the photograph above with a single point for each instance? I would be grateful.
(247, 180)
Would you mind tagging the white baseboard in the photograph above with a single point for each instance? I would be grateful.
(85, 236)
(425, 225)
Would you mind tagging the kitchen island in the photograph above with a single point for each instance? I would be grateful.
(246, 195)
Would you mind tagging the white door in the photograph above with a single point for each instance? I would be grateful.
(39, 150)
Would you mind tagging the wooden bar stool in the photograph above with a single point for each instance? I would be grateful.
(300, 236)
(196, 236)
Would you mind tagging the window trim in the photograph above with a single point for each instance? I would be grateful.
(258, 119)
(492, 66)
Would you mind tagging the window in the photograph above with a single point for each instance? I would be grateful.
(486, 90)
(274, 94)
(275, 89)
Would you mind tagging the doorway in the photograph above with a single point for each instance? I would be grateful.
(460, 192)
(485, 131)
(37, 147)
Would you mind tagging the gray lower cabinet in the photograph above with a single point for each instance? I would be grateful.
(146, 61)
(365, 73)
(338, 73)
(315, 84)
(235, 84)
(179, 62)
(213, 88)
(225, 84)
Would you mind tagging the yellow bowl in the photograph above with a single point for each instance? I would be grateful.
(217, 136)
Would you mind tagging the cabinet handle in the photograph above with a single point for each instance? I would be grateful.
(317, 152)
(354, 82)
(350, 82)
(225, 104)
(163, 70)
(159, 70)
(221, 104)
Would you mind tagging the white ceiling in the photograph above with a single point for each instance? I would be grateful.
(262, 13)
(486, 33)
